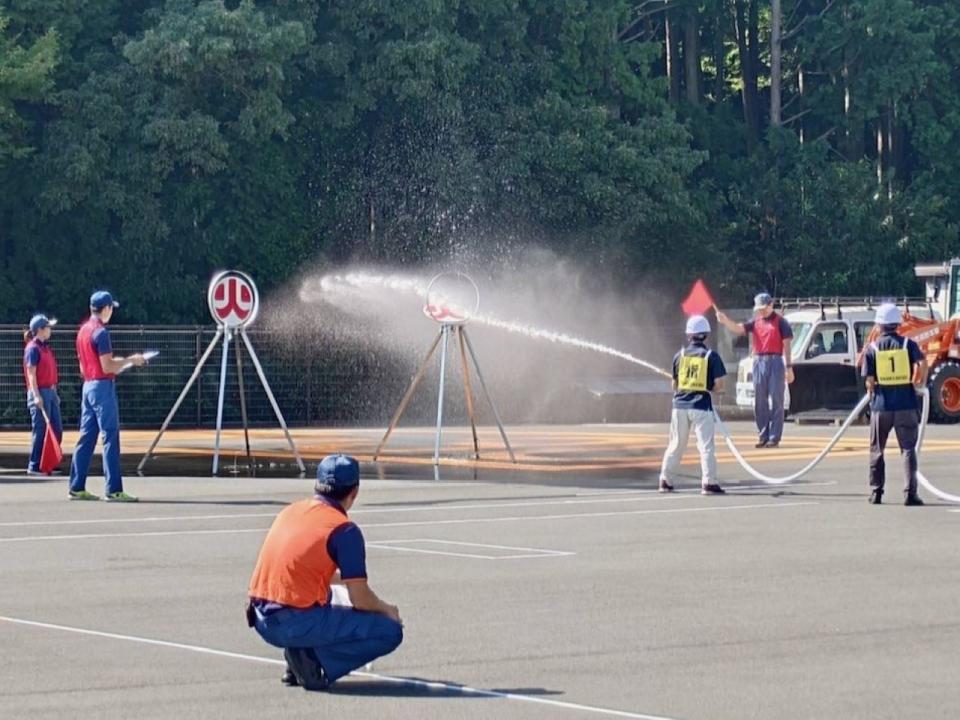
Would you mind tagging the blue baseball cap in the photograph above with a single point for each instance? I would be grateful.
(337, 472)
(762, 300)
(101, 299)
(39, 321)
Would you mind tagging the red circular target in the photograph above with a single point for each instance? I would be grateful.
(233, 299)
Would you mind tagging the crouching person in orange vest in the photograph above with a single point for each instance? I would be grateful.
(292, 600)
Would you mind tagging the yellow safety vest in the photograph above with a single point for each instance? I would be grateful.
(692, 373)
(893, 366)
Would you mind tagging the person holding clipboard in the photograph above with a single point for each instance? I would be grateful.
(99, 411)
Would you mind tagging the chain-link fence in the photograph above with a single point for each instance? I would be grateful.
(332, 387)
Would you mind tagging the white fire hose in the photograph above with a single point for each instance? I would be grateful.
(921, 478)
(854, 414)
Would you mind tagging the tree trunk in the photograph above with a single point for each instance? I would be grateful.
(719, 60)
(748, 72)
(776, 22)
(673, 56)
(691, 56)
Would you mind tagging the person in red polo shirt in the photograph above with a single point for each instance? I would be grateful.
(772, 365)
(99, 411)
(40, 374)
(292, 600)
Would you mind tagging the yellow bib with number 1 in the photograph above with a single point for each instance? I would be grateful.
(693, 374)
(893, 367)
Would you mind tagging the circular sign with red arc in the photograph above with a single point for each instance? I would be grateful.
(233, 299)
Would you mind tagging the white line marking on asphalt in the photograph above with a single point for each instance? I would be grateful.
(595, 498)
(414, 523)
(523, 552)
(441, 686)
(732, 489)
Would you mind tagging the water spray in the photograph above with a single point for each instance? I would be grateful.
(452, 300)
(312, 291)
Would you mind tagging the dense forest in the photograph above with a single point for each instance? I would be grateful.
(803, 146)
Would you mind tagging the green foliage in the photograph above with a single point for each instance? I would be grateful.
(145, 143)
(25, 70)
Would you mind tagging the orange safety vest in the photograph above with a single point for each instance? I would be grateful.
(294, 567)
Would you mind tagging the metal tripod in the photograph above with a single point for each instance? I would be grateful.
(465, 347)
(227, 335)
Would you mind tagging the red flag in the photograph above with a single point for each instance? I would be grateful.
(698, 301)
(52, 454)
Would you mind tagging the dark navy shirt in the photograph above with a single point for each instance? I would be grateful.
(101, 341)
(691, 399)
(889, 398)
(32, 355)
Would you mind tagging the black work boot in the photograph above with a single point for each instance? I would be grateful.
(305, 669)
(289, 679)
(912, 499)
(876, 496)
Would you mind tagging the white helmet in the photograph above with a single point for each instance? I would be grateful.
(697, 325)
(888, 314)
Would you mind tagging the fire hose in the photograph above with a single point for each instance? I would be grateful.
(854, 414)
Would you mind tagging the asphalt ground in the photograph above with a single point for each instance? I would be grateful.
(536, 593)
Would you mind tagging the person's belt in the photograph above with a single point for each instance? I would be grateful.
(779, 354)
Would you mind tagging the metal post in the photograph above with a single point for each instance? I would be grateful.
(198, 341)
(469, 391)
(272, 399)
(183, 394)
(243, 406)
(223, 387)
(445, 333)
(486, 392)
(408, 395)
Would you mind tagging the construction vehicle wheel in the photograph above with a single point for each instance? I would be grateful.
(945, 392)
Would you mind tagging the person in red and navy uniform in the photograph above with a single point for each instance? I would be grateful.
(296, 604)
(772, 365)
(99, 412)
(40, 374)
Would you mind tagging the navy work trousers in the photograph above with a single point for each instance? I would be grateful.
(769, 385)
(99, 414)
(342, 638)
(51, 403)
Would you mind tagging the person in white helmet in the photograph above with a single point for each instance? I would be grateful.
(697, 372)
(893, 367)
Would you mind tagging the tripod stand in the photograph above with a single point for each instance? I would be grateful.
(228, 334)
(446, 330)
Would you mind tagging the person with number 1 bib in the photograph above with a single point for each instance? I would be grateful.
(893, 366)
(697, 372)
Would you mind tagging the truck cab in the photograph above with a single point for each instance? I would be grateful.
(828, 336)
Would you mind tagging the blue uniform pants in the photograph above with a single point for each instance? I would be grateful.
(342, 638)
(98, 414)
(769, 385)
(51, 403)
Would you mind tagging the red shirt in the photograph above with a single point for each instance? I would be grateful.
(768, 334)
(93, 340)
(295, 566)
(37, 354)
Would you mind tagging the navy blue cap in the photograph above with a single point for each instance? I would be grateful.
(762, 300)
(39, 321)
(337, 472)
(101, 299)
